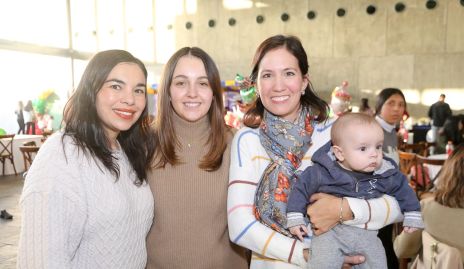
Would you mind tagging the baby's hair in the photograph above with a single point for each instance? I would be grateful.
(348, 119)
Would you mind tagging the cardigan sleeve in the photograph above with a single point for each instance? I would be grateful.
(407, 245)
(374, 214)
(247, 164)
(53, 210)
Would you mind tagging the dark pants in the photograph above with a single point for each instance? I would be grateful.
(386, 236)
(21, 127)
(29, 126)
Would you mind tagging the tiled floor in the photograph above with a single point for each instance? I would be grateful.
(10, 190)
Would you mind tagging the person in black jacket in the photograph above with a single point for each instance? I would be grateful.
(439, 112)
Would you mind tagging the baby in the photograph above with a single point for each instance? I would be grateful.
(351, 165)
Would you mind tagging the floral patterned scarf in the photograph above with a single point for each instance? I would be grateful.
(286, 143)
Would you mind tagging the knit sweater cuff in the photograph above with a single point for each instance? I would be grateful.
(413, 219)
(295, 219)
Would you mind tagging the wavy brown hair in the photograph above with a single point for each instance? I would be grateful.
(82, 124)
(450, 186)
(310, 99)
(165, 133)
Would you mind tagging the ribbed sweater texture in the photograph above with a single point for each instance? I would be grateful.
(76, 215)
(190, 226)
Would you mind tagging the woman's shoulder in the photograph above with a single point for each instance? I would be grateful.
(54, 167)
(246, 130)
(431, 207)
(321, 133)
(58, 140)
(60, 149)
(246, 134)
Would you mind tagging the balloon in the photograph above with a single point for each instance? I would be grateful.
(44, 102)
(341, 99)
(247, 89)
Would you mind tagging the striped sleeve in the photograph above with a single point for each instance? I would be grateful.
(375, 213)
(248, 160)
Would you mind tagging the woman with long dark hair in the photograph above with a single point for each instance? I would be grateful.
(86, 202)
(286, 125)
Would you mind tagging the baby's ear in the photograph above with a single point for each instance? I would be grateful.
(338, 152)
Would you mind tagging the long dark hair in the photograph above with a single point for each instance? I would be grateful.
(451, 129)
(310, 99)
(84, 126)
(165, 134)
(364, 104)
(383, 96)
(28, 106)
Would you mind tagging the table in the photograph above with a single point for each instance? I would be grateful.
(18, 141)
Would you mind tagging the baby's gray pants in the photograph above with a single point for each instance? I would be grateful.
(329, 249)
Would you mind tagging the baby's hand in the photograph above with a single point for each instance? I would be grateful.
(409, 230)
(299, 231)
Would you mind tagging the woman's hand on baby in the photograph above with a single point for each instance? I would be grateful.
(324, 212)
(299, 231)
(352, 260)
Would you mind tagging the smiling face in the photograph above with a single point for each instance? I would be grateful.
(190, 90)
(121, 100)
(280, 83)
(360, 147)
(393, 109)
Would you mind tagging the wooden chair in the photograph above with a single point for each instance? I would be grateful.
(422, 178)
(45, 135)
(407, 160)
(29, 143)
(420, 148)
(28, 155)
(6, 151)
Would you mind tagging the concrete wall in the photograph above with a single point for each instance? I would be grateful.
(417, 50)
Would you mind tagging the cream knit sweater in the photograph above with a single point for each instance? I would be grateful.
(75, 215)
(190, 227)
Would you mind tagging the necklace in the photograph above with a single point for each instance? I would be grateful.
(184, 141)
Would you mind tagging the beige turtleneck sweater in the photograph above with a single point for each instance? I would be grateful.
(190, 223)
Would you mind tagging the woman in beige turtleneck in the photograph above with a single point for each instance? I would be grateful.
(190, 175)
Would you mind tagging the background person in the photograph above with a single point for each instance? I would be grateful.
(191, 169)
(29, 118)
(365, 108)
(389, 111)
(20, 117)
(439, 112)
(443, 212)
(284, 128)
(453, 129)
(85, 202)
